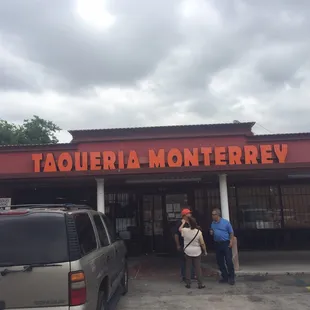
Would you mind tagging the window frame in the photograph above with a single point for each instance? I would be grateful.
(94, 230)
(103, 219)
(105, 229)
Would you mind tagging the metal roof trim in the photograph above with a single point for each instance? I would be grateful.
(241, 124)
(281, 136)
(32, 147)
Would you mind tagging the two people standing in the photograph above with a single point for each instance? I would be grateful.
(191, 246)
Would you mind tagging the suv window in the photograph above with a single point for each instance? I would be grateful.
(86, 234)
(33, 238)
(110, 228)
(103, 237)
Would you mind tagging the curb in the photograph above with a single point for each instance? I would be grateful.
(241, 273)
(271, 273)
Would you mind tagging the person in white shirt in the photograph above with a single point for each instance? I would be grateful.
(194, 247)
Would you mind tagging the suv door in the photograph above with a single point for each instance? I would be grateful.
(107, 258)
(89, 251)
(119, 248)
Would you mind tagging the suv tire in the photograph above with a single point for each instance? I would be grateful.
(102, 301)
(124, 282)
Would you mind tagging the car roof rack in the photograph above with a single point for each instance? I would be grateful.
(67, 206)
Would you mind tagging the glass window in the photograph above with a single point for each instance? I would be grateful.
(259, 207)
(103, 237)
(110, 228)
(295, 200)
(33, 238)
(86, 234)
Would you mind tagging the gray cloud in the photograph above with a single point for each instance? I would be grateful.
(162, 62)
(54, 36)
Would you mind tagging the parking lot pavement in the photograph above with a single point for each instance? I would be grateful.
(249, 293)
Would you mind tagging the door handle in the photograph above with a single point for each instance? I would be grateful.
(108, 258)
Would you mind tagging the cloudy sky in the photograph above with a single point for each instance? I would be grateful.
(120, 63)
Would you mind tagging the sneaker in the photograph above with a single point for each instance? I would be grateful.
(187, 286)
(201, 287)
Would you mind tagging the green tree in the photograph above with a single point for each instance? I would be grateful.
(33, 131)
(8, 133)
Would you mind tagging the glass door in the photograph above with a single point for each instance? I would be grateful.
(153, 223)
(174, 203)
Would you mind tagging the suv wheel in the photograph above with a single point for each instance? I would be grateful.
(124, 282)
(102, 302)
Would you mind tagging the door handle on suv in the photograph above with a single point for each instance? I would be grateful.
(108, 258)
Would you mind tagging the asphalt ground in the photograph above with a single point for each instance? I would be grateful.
(150, 292)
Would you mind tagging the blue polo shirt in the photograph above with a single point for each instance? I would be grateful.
(221, 230)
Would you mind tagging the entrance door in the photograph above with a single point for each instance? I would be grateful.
(161, 215)
(174, 203)
(153, 223)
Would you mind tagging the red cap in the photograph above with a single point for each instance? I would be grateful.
(186, 212)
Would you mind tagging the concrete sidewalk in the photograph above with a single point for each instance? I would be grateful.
(249, 293)
(266, 281)
(147, 267)
(251, 263)
(274, 263)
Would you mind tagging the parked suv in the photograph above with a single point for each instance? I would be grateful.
(59, 257)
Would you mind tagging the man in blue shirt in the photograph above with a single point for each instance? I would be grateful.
(223, 235)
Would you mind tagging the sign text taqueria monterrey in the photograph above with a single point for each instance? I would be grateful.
(173, 158)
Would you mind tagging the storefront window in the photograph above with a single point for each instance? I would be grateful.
(122, 210)
(259, 207)
(207, 199)
(296, 206)
(174, 205)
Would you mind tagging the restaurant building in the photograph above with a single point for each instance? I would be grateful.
(142, 178)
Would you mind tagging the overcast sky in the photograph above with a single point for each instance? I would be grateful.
(125, 63)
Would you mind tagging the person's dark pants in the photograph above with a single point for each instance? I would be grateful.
(196, 262)
(183, 266)
(224, 260)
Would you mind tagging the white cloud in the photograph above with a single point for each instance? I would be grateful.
(175, 62)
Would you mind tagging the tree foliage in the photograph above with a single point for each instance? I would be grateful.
(33, 131)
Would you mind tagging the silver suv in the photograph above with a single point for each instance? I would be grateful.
(59, 257)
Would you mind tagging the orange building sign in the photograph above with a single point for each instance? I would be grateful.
(174, 157)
